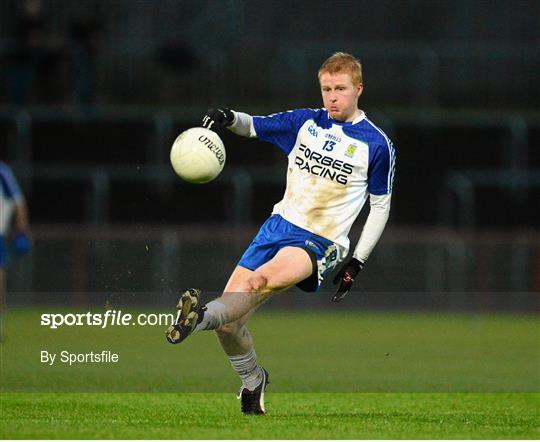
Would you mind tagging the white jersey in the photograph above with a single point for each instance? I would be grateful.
(333, 167)
(10, 194)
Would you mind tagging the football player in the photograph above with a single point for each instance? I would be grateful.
(337, 159)
(12, 208)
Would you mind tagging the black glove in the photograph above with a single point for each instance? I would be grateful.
(345, 278)
(216, 119)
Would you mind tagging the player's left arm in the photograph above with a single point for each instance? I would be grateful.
(379, 211)
(280, 129)
(380, 184)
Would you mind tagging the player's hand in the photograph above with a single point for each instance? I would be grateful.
(22, 244)
(345, 278)
(216, 119)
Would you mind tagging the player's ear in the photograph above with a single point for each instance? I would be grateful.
(359, 89)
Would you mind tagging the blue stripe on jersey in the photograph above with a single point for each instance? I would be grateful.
(382, 155)
(381, 169)
(282, 128)
(8, 184)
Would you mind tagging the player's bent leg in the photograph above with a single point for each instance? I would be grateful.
(238, 344)
(289, 266)
(234, 337)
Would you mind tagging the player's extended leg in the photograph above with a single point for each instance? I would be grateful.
(290, 266)
(287, 268)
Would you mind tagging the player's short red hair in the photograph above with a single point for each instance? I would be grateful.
(341, 62)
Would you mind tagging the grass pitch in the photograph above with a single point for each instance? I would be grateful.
(290, 416)
(333, 376)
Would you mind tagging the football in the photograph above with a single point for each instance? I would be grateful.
(198, 155)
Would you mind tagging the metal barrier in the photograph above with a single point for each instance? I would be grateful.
(414, 75)
(513, 174)
(413, 268)
(516, 157)
(464, 183)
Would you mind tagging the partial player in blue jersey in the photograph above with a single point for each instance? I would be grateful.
(13, 211)
(337, 160)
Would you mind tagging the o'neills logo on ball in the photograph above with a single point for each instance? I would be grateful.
(214, 148)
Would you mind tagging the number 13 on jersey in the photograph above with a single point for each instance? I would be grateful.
(329, 145)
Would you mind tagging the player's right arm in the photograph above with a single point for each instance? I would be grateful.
(280, 129)
(238, 122)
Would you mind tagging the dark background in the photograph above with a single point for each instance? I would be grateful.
(94, 93)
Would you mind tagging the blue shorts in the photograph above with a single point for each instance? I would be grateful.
(277, 233)
(3, 252)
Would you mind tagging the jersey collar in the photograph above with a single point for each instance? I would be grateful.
(348, 123)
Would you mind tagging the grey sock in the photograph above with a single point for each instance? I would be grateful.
(247, 368)
(214, 316)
